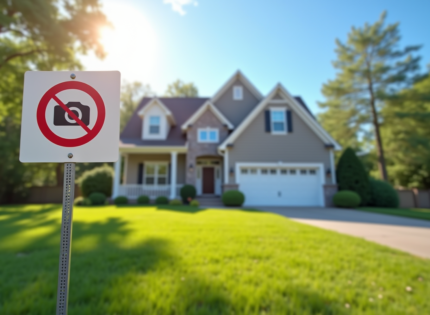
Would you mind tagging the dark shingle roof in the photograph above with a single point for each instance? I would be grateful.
(182, 108)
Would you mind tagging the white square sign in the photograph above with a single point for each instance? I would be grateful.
(70, 116)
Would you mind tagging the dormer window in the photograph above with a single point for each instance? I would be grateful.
(237, 93)
(154, 125)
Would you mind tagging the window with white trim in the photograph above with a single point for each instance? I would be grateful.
(278, 121)
(155, 174)
(237, 93)
(208, 135)
(154, 125)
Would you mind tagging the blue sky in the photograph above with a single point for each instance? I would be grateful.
(206, 41)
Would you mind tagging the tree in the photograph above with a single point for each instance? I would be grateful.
(181, 89)
(406, 132)
(350, 175)
(371, 67)
(37, 35)
(131, 92)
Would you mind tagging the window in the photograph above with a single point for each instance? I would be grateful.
(244, 171)
(154, 125)
(273, 171)
(253, 171)
(293, 172)
(284, 172)
(208, 135)
(278, 121)
(264, 171)
(155, 174)
(237, 93)
(312, 172)
(303, 172)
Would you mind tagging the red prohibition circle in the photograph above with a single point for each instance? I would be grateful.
(52, 92)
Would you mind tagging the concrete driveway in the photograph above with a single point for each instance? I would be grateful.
(409, 235)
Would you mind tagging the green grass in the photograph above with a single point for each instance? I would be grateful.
(416, 213)
(181, 260)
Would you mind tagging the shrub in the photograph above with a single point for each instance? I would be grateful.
(121, 200)
(81, 201)
(352, 176)
(233, 198)
(143, 200)
(97, 198)
(162, 200)
(98, 179)
(188, 191)
(382, 194)
(194, 203)
(175, 202)
(346, 199)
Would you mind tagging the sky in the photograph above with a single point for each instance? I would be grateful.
(207, 41)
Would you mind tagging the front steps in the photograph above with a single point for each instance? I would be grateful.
(210, 201)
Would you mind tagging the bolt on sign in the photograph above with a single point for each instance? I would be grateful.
(69, 117)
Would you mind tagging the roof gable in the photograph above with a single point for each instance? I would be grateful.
(207, 106)
(279, 94)
(244, 80)
(157, 102)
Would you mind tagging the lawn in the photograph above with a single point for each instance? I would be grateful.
(178, 260)
(416, 213)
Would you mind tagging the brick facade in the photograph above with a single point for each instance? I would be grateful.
(196, 149)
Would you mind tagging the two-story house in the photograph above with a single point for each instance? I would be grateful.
(269, 147)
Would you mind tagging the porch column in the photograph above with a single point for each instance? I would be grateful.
(173, 171)
(116, 178)
(226, 167)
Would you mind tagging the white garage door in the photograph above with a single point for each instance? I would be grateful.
(274, 185)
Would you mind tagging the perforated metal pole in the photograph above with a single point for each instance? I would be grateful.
(66, 238)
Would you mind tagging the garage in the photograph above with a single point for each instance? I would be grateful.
(281, 184)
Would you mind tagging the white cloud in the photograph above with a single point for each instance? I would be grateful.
(177, 5)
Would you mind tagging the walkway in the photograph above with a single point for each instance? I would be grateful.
(409, 235)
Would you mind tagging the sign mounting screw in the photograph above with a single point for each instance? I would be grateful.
(73, 76)
(70, 155)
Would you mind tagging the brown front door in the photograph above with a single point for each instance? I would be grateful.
(208, 180)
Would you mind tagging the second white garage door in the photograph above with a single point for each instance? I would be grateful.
(281, 185)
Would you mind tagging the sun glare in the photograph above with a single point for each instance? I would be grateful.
(131, 43)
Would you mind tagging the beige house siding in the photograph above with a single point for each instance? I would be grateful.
(236, 111)
(257, 145)
(197, 149)
(135, 159)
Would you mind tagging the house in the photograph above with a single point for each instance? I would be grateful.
(269, 147)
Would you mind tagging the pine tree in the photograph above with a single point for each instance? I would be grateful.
(370, 67)
(351, 175)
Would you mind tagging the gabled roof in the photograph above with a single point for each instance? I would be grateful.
(157, 102)
(207, 106)
(241, 77)
(295, 105)
(181, 108)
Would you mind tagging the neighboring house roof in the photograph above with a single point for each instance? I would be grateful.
(182, 108)
(207, 106)
(302, 111)
(241, 77)
(157, 102)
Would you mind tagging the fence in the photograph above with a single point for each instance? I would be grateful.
(48, 194)
(414, 198)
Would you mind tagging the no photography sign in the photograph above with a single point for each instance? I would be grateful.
(70, 116)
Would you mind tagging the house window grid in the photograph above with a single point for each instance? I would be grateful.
(208, 135)
(237, 93)
(154, 177)
(154, 125)
(278, 121)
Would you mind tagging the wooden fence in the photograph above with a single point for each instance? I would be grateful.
(48, 194)
(414, 198)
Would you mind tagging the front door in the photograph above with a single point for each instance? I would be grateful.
(208, 180)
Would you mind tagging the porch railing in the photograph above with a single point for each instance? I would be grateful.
(133, 191)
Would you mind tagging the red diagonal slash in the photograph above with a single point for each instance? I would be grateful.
(73, 116)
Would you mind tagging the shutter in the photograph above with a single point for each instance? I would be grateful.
(289, 121)
(140, 174)
(169, 173)
(268, 129)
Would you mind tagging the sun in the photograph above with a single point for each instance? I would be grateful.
(130, 44)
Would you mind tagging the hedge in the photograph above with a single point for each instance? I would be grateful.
(188, 192)
(233, 198)
(121, 200)
(97, 198)
(98, 179)
(143, 200)
(382, 194)
(162, 200)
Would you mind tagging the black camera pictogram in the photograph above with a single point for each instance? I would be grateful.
(62, 118)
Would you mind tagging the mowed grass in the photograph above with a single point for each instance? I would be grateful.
(415, 213)
(178, 260)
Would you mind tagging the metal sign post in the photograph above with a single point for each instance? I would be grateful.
(66, 238)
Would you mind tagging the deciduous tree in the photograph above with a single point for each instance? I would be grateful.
(181, 89)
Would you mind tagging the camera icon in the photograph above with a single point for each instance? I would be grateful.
(62, 118)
